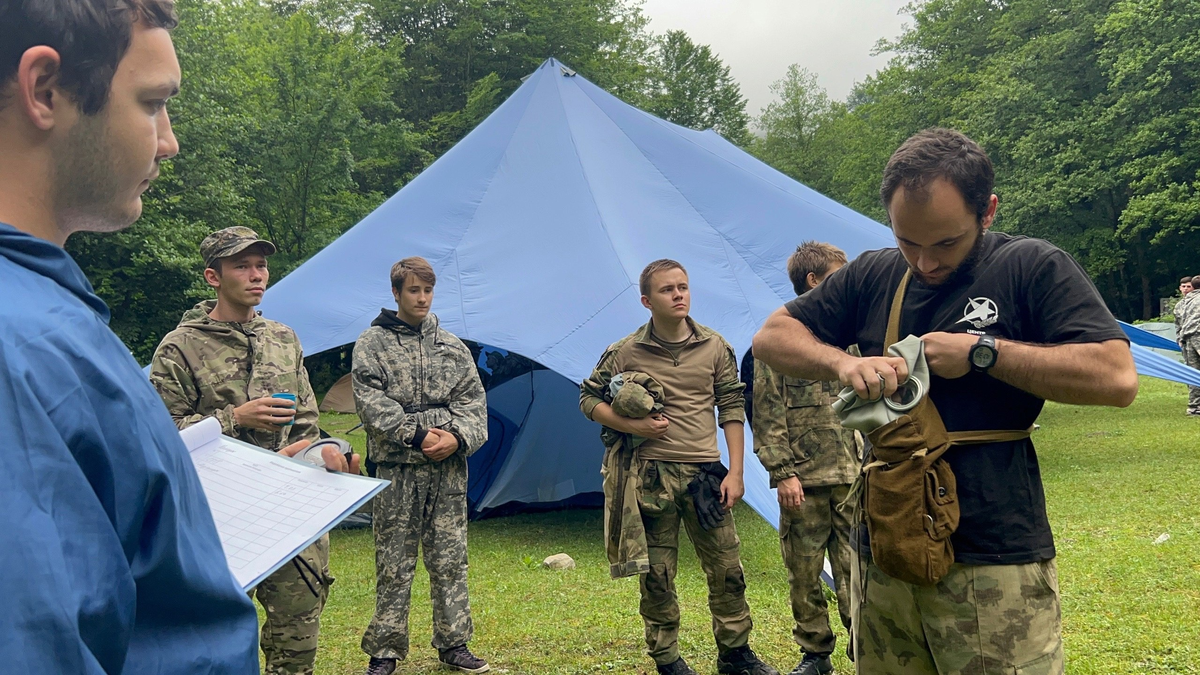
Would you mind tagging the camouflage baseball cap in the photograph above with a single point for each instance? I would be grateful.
(232, 241)
(633, 400)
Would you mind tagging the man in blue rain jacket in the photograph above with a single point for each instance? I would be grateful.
(111, 560)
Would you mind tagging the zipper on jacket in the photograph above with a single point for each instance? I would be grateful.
(250, 358)
(421, 366)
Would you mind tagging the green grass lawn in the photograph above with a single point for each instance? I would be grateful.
(1115, 480)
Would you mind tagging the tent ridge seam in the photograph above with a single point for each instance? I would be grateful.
(482, 196)
(588, 182)
(582, 323)
(674, 129)
(723, 238)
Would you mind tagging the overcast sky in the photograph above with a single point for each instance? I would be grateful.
(759, 39)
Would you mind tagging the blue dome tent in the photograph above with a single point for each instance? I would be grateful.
(538, 224)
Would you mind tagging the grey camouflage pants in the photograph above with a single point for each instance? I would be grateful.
(425, 507)
(1191, 356)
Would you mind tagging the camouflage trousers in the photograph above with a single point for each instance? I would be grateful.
(979, 619)
(425, 507)
(806, 534)
(1191, 356)
(665, 503)
(292, 598)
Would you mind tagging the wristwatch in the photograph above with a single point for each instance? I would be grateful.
(983, 354)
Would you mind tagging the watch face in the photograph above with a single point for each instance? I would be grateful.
(982, 357)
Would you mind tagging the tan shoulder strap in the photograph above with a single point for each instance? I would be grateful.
(970, 437)
(893, 325)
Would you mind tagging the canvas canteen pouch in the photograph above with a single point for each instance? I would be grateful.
(908, 490)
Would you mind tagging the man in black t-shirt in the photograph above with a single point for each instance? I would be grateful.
(1007, 322)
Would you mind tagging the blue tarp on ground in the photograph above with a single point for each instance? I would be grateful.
(1147, 339)
(538, 224)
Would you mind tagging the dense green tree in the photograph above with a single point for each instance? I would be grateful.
(452, 47)
(1087, 108)
(689, 85)
(798, 133)
(286, 124)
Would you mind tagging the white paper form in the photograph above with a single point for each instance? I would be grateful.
(268, 507)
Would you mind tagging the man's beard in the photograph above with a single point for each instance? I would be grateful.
(87, 191)
(964, 269)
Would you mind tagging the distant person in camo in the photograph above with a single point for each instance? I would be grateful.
(226, 361)
(811, 460)
(1187, 335)
(422, 404)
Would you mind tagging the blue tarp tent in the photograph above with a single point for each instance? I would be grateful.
(538, 224)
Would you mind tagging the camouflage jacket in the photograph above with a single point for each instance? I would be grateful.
(1187, 317)
(797, 433)
(407, 380)
(206, 368)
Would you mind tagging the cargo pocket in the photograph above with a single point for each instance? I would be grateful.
(802, 394)
(658, 580)
(734, 582)
(941, 495)
(823, 439)
(653, 499)
(1046, 664)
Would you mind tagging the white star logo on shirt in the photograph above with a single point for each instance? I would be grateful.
(980, 312)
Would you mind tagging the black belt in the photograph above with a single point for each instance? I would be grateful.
(410, 409)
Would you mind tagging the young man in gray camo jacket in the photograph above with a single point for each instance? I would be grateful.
(420, 399)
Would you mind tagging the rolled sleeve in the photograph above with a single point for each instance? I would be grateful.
(728, 389)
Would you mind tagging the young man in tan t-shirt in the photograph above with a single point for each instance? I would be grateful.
(698, 371)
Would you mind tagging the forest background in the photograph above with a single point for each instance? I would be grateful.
(299, 117)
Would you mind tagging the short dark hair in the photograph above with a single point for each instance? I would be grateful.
(90, 36)
(1196, 281)
(940, 153)
(653, 268)
(415, 265)
(1186, 280)
(812, 256)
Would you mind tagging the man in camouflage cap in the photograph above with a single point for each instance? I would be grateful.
(226, 361)
(812, 461)
(420, 399)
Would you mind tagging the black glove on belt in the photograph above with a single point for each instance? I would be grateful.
(705, 490)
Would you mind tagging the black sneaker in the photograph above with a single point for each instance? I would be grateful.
(743, 661)
(461, 659)
(814, 664)
(680, 667)
(381, 666)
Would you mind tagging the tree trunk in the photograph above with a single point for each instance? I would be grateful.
(1147, 302)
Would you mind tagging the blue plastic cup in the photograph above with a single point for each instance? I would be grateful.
(287, 397)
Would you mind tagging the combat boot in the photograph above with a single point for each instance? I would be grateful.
(679, 667)
(813, 664)
(461, 659)
(381, 666)
(743, 661)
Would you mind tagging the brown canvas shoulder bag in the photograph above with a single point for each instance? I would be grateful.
(910, 496)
